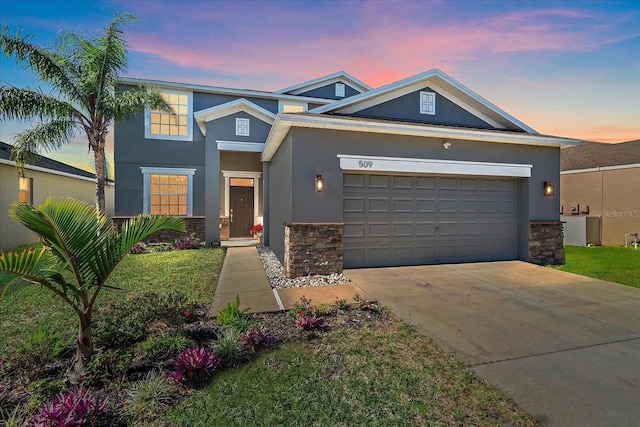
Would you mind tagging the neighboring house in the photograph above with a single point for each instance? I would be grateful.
(420, 171)
(600, 197)
(45, 178)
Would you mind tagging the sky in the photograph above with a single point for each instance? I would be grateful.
(565, 68)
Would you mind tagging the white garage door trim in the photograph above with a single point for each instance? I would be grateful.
(350, 162)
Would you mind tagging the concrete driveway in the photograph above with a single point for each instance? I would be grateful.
(564, 346)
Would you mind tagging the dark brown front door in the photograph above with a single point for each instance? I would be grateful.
(240, 211)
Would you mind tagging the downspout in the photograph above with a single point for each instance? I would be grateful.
(601, 203)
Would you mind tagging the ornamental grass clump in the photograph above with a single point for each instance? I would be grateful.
(194, 365)
(77, 407)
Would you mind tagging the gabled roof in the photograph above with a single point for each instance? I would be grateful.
(44, 163)
(339, 76)
(600, 154)
(285, 121)
(223, 110)
(441, 83)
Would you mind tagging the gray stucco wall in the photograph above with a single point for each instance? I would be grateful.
(407, 108)
(329, 92)
(314, 151)
(281, 187)
(224, 128)
(203, 101)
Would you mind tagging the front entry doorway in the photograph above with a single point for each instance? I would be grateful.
(240, 210)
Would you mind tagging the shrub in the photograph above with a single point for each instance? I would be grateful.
(308, 322)
(74, 408)
(176, 309)
(341, 304)
(255, 339)
(157, 348)
(187, 242)
(229, 347)
(108, 365)
(231, 313)
(194, 365)
(302, 308)
(363, 303)
(138, 248)
(148, 399)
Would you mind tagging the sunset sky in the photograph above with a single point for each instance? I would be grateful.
(565, 68)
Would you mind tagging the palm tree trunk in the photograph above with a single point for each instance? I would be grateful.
(84, 350)
(101, 176)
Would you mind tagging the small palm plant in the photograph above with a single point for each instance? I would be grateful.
(84, 250)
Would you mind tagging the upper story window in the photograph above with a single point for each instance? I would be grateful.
(292, 106)
(340, 90)
(242, 127)
(25, 186)
(428, 103)
(174, 125)
(167, 191)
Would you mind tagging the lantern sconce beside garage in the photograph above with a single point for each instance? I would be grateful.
(548, 189)
(319, 183)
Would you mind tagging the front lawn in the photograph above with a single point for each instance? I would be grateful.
(614, 264)
(357, 366)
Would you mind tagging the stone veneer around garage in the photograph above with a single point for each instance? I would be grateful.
(311, 249)
(546, 243)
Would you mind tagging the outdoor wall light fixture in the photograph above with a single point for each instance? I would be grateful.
(446, 145)
(548, 189)
(319, 183)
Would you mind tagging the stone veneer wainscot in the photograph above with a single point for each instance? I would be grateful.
(311, 249)
(546, 243)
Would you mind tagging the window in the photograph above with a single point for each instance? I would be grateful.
(340, 90)
(292, 107)
(168, 191)
(25, 190)
(242, 127)
(175, 125)
(428, 103)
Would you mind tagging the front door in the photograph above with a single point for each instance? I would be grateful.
(240, 211)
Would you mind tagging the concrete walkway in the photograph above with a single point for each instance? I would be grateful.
(564, 346)
(243, 275)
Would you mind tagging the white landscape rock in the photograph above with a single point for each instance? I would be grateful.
(277, 279)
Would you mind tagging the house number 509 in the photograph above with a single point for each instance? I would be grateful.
(365, 164)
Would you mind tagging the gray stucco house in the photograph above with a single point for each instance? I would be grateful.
(420, 171)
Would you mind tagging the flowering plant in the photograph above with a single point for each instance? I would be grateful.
(256, 229)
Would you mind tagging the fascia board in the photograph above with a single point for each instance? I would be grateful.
(223, 110)
(322, 81)
(601, 169)
(221, 90)
(284, 122)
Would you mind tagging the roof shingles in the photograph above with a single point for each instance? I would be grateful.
(599, 154)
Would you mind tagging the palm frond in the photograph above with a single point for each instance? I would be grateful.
(25, 103)
(43, 137)
(128, 103)
(45, 63)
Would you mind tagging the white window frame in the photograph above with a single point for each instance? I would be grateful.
(340, 90)
(147, 118)
(146, 185)
(242, 126)
(428, 103)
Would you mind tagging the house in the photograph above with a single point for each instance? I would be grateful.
(600, 197)
(419, 171)
(45, 178)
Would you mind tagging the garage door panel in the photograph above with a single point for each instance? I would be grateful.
(409, 220)
(353, 204)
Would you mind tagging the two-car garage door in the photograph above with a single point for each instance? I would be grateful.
(409, 220)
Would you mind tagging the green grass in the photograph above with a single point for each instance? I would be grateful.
(614, 264)
(194, 273)
(383, 375)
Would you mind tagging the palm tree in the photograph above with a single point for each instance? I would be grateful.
(83, 75)
(84, 250)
